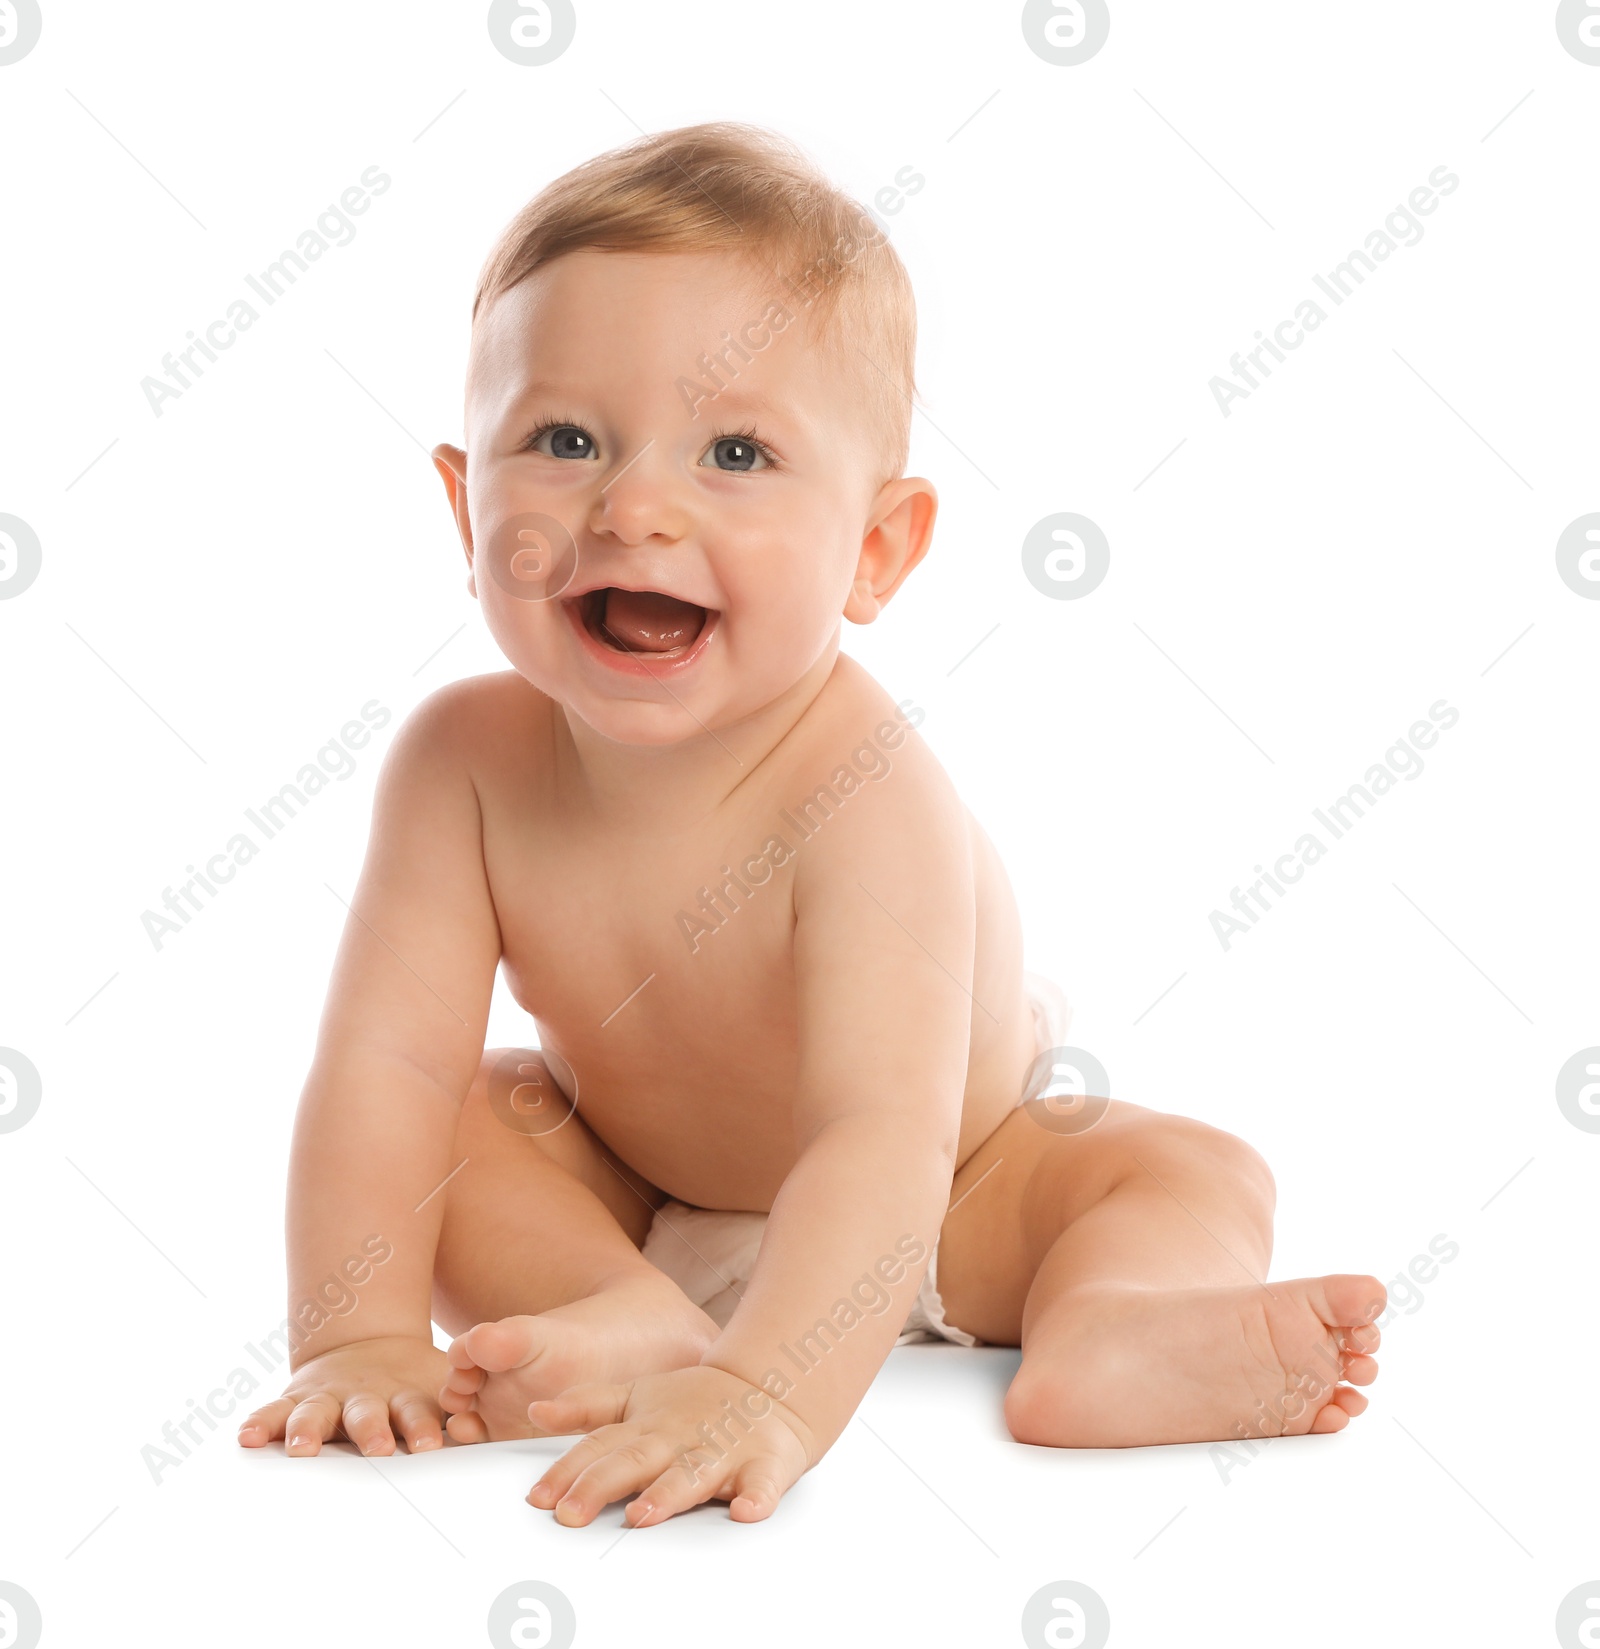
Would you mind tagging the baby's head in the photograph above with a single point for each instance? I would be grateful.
(687, 415)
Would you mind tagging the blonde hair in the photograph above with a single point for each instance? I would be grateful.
(729, 187)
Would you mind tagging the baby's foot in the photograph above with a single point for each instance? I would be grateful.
(628, 1329)
(1113, 1367)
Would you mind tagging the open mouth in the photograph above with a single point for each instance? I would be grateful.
(645, 624)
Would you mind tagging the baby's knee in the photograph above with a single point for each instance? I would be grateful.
(1243, 1160)
(1188, 1136)
(1183, 1141)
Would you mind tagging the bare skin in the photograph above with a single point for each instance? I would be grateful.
(836, 1037)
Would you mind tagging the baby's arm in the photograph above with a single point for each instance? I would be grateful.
(885, 930)
(399, 1044)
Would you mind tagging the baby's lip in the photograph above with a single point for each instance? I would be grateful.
(604, 648)
(582, 587)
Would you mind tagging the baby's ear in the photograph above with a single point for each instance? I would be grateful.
(451, 463)
(898, 534)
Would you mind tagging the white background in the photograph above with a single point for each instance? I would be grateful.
(1288, 591)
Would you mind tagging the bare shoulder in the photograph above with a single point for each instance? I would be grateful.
(469, 726)
(866, 773)
(855, 709)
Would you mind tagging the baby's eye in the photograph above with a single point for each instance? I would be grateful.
(734, 453)
(563, 441)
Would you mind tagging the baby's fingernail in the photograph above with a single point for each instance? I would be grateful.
(643, 1511)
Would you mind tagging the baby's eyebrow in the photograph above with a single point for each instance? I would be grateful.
(732, 396)
(541, 387)
(735, 400)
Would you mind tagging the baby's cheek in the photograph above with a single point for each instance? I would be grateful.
(525, 633)
(777, 644)
(800, 586)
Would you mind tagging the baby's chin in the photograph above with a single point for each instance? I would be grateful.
(645, 716)
(649, 708)
(644, 726)
(639, 712)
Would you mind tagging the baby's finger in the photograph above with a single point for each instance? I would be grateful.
(416, 1418)
(580, 1408)
(366, 1423)
(624, 1469)
(759, 1485)
(311, 1424)
(559, 1477)
(266, 1424)
(690, 1480)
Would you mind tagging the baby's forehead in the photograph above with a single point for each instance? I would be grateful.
(649, 293)
(720, 320)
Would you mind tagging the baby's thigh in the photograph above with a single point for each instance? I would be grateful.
(518, 1122)
(1036, 1173)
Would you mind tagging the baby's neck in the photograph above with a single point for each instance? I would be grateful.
(676, 785)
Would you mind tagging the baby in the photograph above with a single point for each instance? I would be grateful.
(792, 1097)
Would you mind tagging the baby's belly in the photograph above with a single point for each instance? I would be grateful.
(707, 1116)
(690, 1075)
(690, 1084)
(713, 1135)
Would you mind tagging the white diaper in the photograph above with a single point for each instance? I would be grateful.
(710, 1253)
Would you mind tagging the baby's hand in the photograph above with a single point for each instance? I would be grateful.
(357, 1390)
(683, 1437)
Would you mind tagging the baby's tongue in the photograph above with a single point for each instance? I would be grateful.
(645, 621)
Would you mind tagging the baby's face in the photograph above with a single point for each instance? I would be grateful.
(684, 559)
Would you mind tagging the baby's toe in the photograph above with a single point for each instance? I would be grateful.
(455, 1401)
(464, 1381)
(1360, 1371)
(467, 1428)
(1363, 1340)
(1339, 1410)
(1349, 1300)
(498, 1346)
(459, 1354)
(1352, 1402)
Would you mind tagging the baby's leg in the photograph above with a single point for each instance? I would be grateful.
(1143, 1246)
(539, 1274)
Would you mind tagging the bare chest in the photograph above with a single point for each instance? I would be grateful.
(660, 969)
